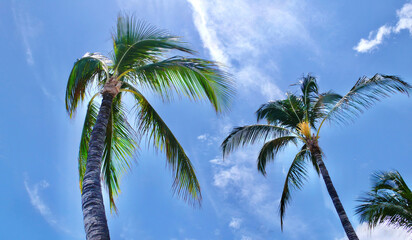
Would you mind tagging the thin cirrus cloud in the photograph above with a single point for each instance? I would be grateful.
(235, 223)
(377, 37)
(240, 34)
(37, 202)
(28, 28)
(33, 190)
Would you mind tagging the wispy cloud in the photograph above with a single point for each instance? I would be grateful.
(35, 199)
(235, 223)
(380, 232)
(376, 37)
(37, 202)
(241, 33)
(28, 28)
(237, 178)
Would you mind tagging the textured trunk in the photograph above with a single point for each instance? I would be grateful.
(94, 216)
(316, 152)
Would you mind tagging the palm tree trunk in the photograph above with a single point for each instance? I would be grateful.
(316, 152)
(94, 216)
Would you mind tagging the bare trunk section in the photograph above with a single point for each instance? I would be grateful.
(94, 216)
(317, 153)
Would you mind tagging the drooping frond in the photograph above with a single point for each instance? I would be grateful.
(320, 107)
(288, 112)
(150, 124)
(120, 145)
(270, 149)
(389, 202)
(89, 121)
(191, 77)
(364, 94)
(241, 136)
(295, 178)
(137, 43)
(84, 72)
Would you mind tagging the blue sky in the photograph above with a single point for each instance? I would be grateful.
(267, 45)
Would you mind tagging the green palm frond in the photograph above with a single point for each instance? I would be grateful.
(295, 178)
(85, 70)
(323, 102)
(288, 112)
(150, 124)
(89, 121)
(120, 146)
(241, 136)
(137, 43)
(364, 94)
(392, 181)
(389, 202)
(309, 88)
(194, 78)
(270, 149)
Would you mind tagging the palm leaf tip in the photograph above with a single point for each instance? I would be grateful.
(295, 178)
(364, 94)
(150, 124)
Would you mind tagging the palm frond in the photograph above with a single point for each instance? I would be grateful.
(270, 149)
(309, 88)
(150, 124)
(89, 121)
(241, 136)
(323, 102)
(136, 43)
(120, 145)
(192, 77)
(389, 202)
(85, 70)
(364, 94)
(295, 178)
(288, 112)
(392, 181)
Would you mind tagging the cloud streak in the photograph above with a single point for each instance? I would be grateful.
(377, 37)
(28, 28)
(35, 199)
(37, 202)
(240, 34)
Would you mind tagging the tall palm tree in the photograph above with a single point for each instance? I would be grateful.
(389, 202)
(108, 141)
(293, 120)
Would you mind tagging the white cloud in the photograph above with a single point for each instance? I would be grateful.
(37, 202)
(35, 199)
(381, 232)
(28, 28)
(202, 137)
(366, 45)
(235, 223)
(239, 179)
(376, 38)
(241, 33)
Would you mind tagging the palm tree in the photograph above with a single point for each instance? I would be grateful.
(108, 141)
(389, 202)
(293, 119)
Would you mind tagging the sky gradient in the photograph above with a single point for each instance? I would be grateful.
(266, 45)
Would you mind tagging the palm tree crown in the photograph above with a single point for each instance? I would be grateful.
(389, 202)
(299, 118)
(137, 63)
